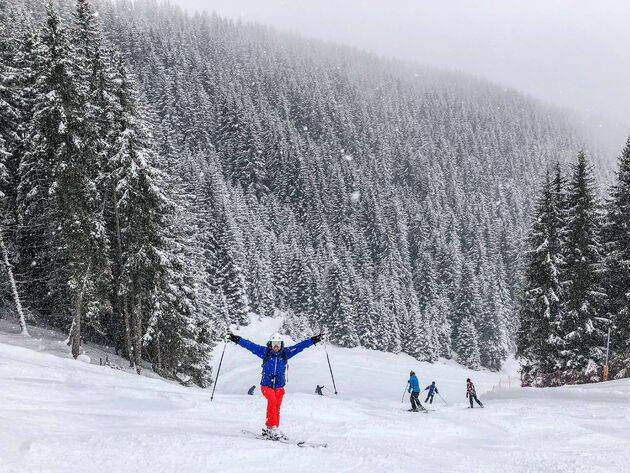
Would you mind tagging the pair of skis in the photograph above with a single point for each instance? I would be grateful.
(299, 443)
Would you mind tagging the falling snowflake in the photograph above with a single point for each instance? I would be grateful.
(355, 196)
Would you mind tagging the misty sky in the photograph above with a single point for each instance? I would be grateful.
(573, 53)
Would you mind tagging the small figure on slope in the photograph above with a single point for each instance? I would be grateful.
(318, 390)
(414, 389)
(471, 393)
(433, 390)
(251, 390)
(275, 357)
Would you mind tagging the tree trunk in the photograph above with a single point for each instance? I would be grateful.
(75, 333)
(158, 353)
(16, 295)
(138, 335)
(130, 354)
(125, 302)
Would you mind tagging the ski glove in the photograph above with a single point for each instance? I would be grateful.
(317, 338)
(233, 338)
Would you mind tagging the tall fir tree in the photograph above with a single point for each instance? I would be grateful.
(58, 184)
(340, 317)
(539, 339)
(583, 325)
(467, 346)
(616, 237)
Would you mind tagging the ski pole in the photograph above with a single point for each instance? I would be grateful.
(218, 371)
(330, 368)
(403, 398)
(445, 403)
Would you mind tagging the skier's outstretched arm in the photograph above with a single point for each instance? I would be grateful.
(257, 350)
(295, 349)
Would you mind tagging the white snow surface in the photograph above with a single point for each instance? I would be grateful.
(60, 415)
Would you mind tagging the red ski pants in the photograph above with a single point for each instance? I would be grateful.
(274, 400)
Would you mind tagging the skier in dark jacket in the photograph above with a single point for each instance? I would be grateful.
(433, 390)
(471, 393)
(318, 390)
(275, 356)
(251, 390)
(414, 389)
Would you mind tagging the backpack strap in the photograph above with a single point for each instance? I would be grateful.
(267, 356)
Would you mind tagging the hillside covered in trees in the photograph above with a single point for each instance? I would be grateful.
(576, 291)
(163, 175)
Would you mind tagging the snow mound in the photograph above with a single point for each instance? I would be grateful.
(84, 359)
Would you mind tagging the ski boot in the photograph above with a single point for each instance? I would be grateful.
(270, 433)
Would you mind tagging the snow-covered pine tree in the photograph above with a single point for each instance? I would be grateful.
(438, 315)
(156, 289)
(21, 50)
(220, 248)
(493, 340)
(178, 332)
(340, 317)
(583, 325)
(58, 181)
(539, 339)
(9, 123)
(468, 303)
(96, 73)
(467, 345)
(302, 295)
(387, 328)
(617, 254)
(9, 116)
(366, 330)
(420, 338)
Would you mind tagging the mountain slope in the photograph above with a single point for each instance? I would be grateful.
(65, 415)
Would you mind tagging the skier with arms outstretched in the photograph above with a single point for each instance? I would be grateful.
(275, 357)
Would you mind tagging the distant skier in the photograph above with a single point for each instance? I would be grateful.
(275, 356)
(318, 390)
(414, 389)
(433, 390)
(471, 393)
(251, 390)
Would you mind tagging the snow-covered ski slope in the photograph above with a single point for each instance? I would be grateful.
(62, 415)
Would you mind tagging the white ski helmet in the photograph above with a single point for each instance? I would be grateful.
(276, 340)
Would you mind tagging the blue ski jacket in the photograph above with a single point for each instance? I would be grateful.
(273, 370)
(431, 388)
(414, 385)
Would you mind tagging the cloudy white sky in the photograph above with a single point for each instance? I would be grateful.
(573, 53)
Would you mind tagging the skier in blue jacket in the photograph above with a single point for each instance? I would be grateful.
(275, 357)
(433, 390)
(414, 389)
